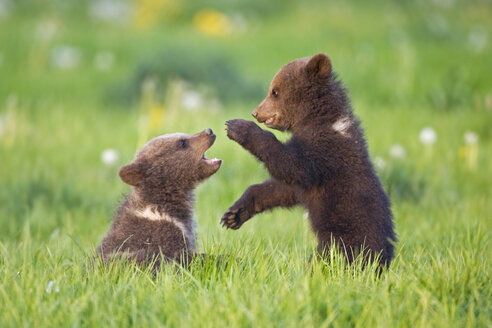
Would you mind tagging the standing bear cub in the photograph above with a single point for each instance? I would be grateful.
(325, 166)
(156, 217)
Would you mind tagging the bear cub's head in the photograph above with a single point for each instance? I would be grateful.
(171, 162)
(292, 92)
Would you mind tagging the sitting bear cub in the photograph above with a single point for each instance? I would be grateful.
(325, 166)
(156, 217)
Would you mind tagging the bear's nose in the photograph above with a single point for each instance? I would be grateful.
(209, 131)
(254, 113)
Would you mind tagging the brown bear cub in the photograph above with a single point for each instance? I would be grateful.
(324, 167)
(156, 216)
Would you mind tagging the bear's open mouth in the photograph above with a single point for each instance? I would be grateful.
(210, 161)
(270, 120)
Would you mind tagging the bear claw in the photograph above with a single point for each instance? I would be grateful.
(232, 218)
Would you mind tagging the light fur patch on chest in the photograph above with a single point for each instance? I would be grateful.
(152, 214)
(342, 125)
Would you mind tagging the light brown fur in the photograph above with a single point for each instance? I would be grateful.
(156, 217)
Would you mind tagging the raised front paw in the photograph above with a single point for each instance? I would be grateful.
(234, 218)
(241, 130)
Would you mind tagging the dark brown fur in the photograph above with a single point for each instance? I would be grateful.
(324, 167)
(156, 217)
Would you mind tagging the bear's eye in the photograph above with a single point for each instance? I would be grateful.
(182, 143)
(275, 93)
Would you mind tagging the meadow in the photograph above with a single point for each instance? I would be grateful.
(83, 84)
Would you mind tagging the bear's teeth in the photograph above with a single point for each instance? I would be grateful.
(213, 161)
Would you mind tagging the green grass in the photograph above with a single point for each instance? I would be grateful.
(57, 198)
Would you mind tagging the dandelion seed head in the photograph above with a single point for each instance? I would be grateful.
(240, 22)
(110, 10)
(470, 137)
(428, 136)
(104, 60)
(4, 8)
(379, 162)
(438, 24)
(397, 151)
(2, 125)
(65, 57)
(46, 30)
(110, 157)
(444, 3)
(191, 100)
(477, 39)
(12, 102)
(52, 287)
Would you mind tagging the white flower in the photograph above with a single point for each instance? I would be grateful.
(2, 125)
(12, 102)
(104, 60)
(110, 157)
(477, 39)
(46, 30)
(191, 100)
(240, 22)
(4, 8)
(438, 24)
(110, 10)
(470, 137)
(148, 86)
(397, 151)
(444, 3)
(65, 57)
(379, 162)
(52, 287)
(428, 136)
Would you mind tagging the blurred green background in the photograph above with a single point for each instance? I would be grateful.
(83, 84)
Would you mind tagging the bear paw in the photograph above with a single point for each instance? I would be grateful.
(234, 218)
(241, 130)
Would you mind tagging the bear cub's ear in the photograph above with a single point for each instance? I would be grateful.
(132, 173)
(319, 66)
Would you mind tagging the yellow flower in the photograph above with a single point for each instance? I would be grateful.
(462, 153)
(149, 12)
(156, 115)
(212, 22)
